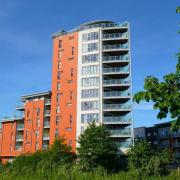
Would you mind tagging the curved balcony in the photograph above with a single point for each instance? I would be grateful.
(117, 107)
(115, 47)
(20, 127)
(123, 58)
(116, 82)
(19, 138)
(112, 36)
(125, 144)
(47, 113)
(116, 94)
(116, 70)
(117, 120)
(126, 132)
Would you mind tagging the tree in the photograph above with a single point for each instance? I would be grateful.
(165, 94)
(96, 149)
(145, 162)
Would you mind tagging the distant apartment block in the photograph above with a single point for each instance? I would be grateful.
(160, 136)
(91, 81)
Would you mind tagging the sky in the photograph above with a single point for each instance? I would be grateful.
(26, 44)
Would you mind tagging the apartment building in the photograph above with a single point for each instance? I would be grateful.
(29, 131)
(91, 81)
(160, 136)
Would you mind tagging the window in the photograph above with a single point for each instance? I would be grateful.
(36, 146)
(89, 47)
(57, 109)
(56, 133)
(72, 72)
(58, 86)
(89, 118)
(155, 133)
(149, 134)
(72, 50)
(37, 111)
(90, 70)
(58, 97)
(57, 120)
(37, 134)
(92, 81)
(89, 58)
(90, 93)
(71, 95)
(59, 64)
(82, 129)
(90, 36)
(60, 43)
(70, 119)
(38, 123)
(58, 75)
(89, 105)
(11, 135)
(60, 54)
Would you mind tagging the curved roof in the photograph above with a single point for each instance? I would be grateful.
(95, 22)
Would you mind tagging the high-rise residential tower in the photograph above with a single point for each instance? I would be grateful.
(92, 81)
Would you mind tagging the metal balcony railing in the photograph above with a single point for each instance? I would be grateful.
(20, 127)
(116, 81)
(47, 112)
(115, 36)
(117, 106)
(116, 70)
(47, 101)
(46, 124)
(19, 137)
(117, 119)
(120, 132)
(124, 144)
(115, 47)
(116, 94)
(115, 58)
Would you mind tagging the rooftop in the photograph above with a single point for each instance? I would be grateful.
(92, 24)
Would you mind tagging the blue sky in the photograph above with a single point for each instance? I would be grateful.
(26, 44)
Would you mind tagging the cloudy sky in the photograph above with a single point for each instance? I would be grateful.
(26, 44)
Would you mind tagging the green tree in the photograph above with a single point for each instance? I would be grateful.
(96, 149)
(145, 162)
(165, 95)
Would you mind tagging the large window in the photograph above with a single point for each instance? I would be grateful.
(90, 70)
(90, 93)
(89, 58)
(90, 36)
(90, 105)
(89, 118)
(92, 81)
(89, 47)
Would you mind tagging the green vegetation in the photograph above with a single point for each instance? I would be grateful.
(97, 159)
(165, 95)
(97, 149)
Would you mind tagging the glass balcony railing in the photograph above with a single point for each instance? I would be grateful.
(176, 144)
(116, 94)
(115, 47)
(117, 119)
(47, 101)
(115, 36)
(45, 146)
(106, 25)
(177, 154)
(115, 58)
(45, 136)
(19, 137)
(20, 127)
(120, 132)
(116, 70)
(124, 144)
(46, 124)
(47, 112)
(117, 106)
(18, 148)
(116, 81)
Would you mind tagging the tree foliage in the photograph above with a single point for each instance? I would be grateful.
(146, 162)
(96, 148)
(165, 94)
